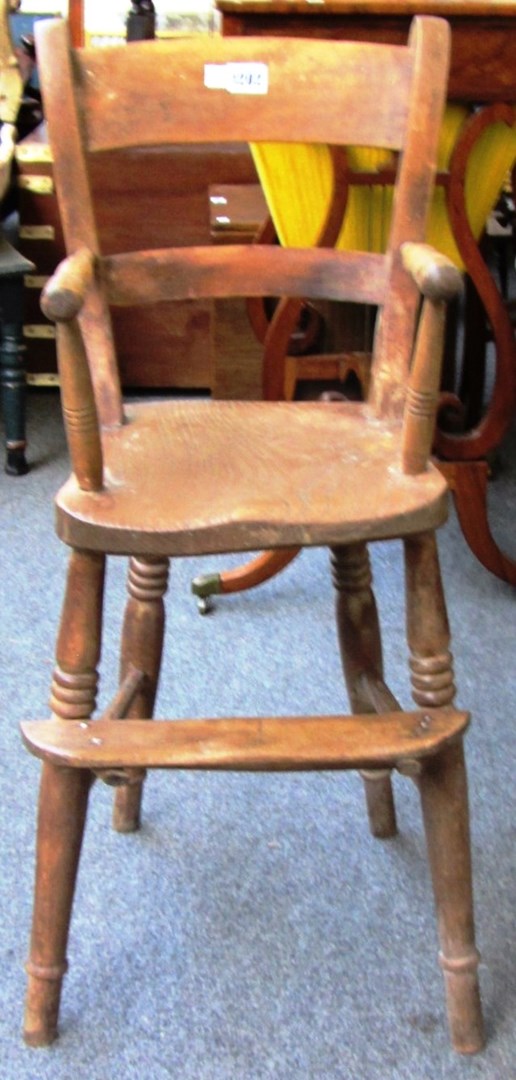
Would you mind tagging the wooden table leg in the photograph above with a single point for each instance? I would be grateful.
(13, 267)
(468, 483)
(463, 456)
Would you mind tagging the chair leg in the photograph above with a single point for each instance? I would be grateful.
(142, 644)
(63, 797)
(428, 632)
(443, 789)
(361, 652)
(75, 678)
(62, 814)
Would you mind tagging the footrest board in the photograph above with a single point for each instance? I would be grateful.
(265, 743)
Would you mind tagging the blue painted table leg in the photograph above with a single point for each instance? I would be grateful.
(13, 268)
(12, 391)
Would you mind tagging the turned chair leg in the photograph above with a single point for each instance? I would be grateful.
(361, 652)
(443, 790)
(142, 644)
(444, 799)
(63, 797)
(62, 814)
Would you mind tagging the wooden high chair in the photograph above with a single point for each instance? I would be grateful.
(175, 478)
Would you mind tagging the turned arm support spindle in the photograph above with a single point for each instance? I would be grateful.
(439, 281)
(62, 301)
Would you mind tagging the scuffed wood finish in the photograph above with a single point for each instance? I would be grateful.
(289, 743)
(64, 294)
(246, 270)
(167, 478)
(298, 104)
(71, 175)
(436, 277)
(293, 474)
(190, 112)
(394, 335)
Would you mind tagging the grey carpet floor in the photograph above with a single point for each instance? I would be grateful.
(253, 930)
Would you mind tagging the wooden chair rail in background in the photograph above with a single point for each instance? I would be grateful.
(155, 480)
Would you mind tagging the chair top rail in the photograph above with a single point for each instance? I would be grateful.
(199, 89)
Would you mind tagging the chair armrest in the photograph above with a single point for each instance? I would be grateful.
(63, 296)
(435, 275)
(439, 281)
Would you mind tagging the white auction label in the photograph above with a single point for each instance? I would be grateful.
(237, 78)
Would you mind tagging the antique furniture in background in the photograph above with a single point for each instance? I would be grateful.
(13, 266)
(482, 78)
(151, 197)
(13, 270)
(171, 478)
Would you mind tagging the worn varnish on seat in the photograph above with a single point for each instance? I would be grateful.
(172, 478)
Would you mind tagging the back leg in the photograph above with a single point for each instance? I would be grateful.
(361, 653)
(142, 646)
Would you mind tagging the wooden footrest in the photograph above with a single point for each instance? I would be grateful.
(308, 742)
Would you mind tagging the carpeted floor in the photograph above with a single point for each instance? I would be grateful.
(253, 930)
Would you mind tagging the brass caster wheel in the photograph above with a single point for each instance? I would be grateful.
(204, 587)
(204, 605)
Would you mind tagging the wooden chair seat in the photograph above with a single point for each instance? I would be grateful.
(308, 473)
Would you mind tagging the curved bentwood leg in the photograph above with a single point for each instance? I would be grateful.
(361, 652)
(142, 644)
(443, 788)
(247, 576)
(63, 798)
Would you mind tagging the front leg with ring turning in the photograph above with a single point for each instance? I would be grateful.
(444, 798)
(63, 797)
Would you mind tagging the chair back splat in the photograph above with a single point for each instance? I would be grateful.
(155, 480)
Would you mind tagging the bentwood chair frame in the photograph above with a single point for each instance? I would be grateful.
(173, 478)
